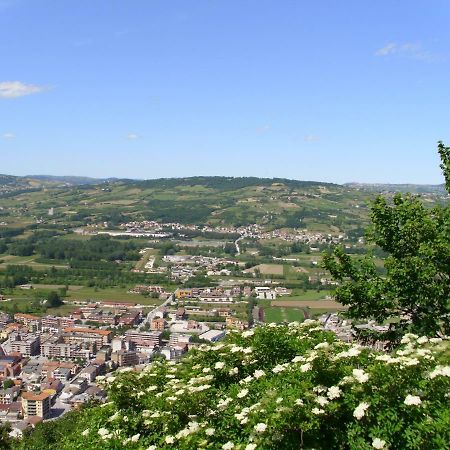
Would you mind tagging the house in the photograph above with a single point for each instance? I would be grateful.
(158, 324)
(234, 322)
(9, 395)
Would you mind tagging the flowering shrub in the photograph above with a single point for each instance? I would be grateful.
(277, 386)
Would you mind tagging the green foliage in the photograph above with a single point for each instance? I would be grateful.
(413, 293)
(54, 300)
(285, 387)
(8, 383)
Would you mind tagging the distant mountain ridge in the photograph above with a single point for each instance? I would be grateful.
(70, 179)
(221, 182)
(402, 187)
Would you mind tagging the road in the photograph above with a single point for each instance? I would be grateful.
(238, 250)
(151, 315)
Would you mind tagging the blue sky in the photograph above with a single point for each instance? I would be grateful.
(312, 90)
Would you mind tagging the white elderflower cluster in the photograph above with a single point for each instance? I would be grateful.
(360, 410)
(412, 400)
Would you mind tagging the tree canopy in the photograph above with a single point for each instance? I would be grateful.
(412, 293)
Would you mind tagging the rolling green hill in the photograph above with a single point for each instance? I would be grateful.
(218, 201)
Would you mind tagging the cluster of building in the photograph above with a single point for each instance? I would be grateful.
(185, 266)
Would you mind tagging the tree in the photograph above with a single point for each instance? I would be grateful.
(412, 293)
(54, 300)
(8, 383)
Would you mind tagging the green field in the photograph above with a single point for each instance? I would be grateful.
(278, 315)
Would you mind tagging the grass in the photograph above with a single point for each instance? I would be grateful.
(299, 294)
(111, 294)
(273, 315)
(278, 315)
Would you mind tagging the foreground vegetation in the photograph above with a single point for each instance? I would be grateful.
(284, 387)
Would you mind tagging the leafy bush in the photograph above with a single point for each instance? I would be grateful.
(284, 387)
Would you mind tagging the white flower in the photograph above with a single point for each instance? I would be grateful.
(242, 393)
(223, 402)
(412, 400)
(206, 370)
(135, 438)
(317, 411)
(260, 427)
(299, 402)
(114, 417)
(322, 401)
(298, 359)
(210, 431)
(233, 371)
(259, 373)
(248, 333)
(103, 431)
(85, 432)
(169, 439)
(411, 362)
(360, 410)
(279, 400)
(250, 447)
(305, 367)
(272, 325)
(219, 365)
(246, 380)
(354, 351)
(334, 392)
(152, 447)
(422, 340)
(247, 350)
(440, 370)
(322, 345)
(360, 375)
(278, 368)
(378, 443)
(228, 446)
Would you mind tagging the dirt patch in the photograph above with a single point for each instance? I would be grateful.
(322, 304)
(268, 269)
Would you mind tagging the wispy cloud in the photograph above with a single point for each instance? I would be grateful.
(409, 50)
(263, 129)
(132, 136)
(8, 136)
(311, 138)
(15, 89)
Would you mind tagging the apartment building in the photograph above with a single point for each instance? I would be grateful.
(86, 335)
(152, 337)
(26, 344)
(55, 347)
(36, 405)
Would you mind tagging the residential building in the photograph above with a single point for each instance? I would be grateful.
(86, 335)
(158, 324)
(32, 323)
(26, 344)
(125, 358)
(36, 405)
(152, 337)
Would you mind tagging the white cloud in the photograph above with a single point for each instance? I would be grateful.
(387, 49)
(132, 136)
(311, 138)
(263, 129)
(8, 136)
(409, 50)
(14, 89)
